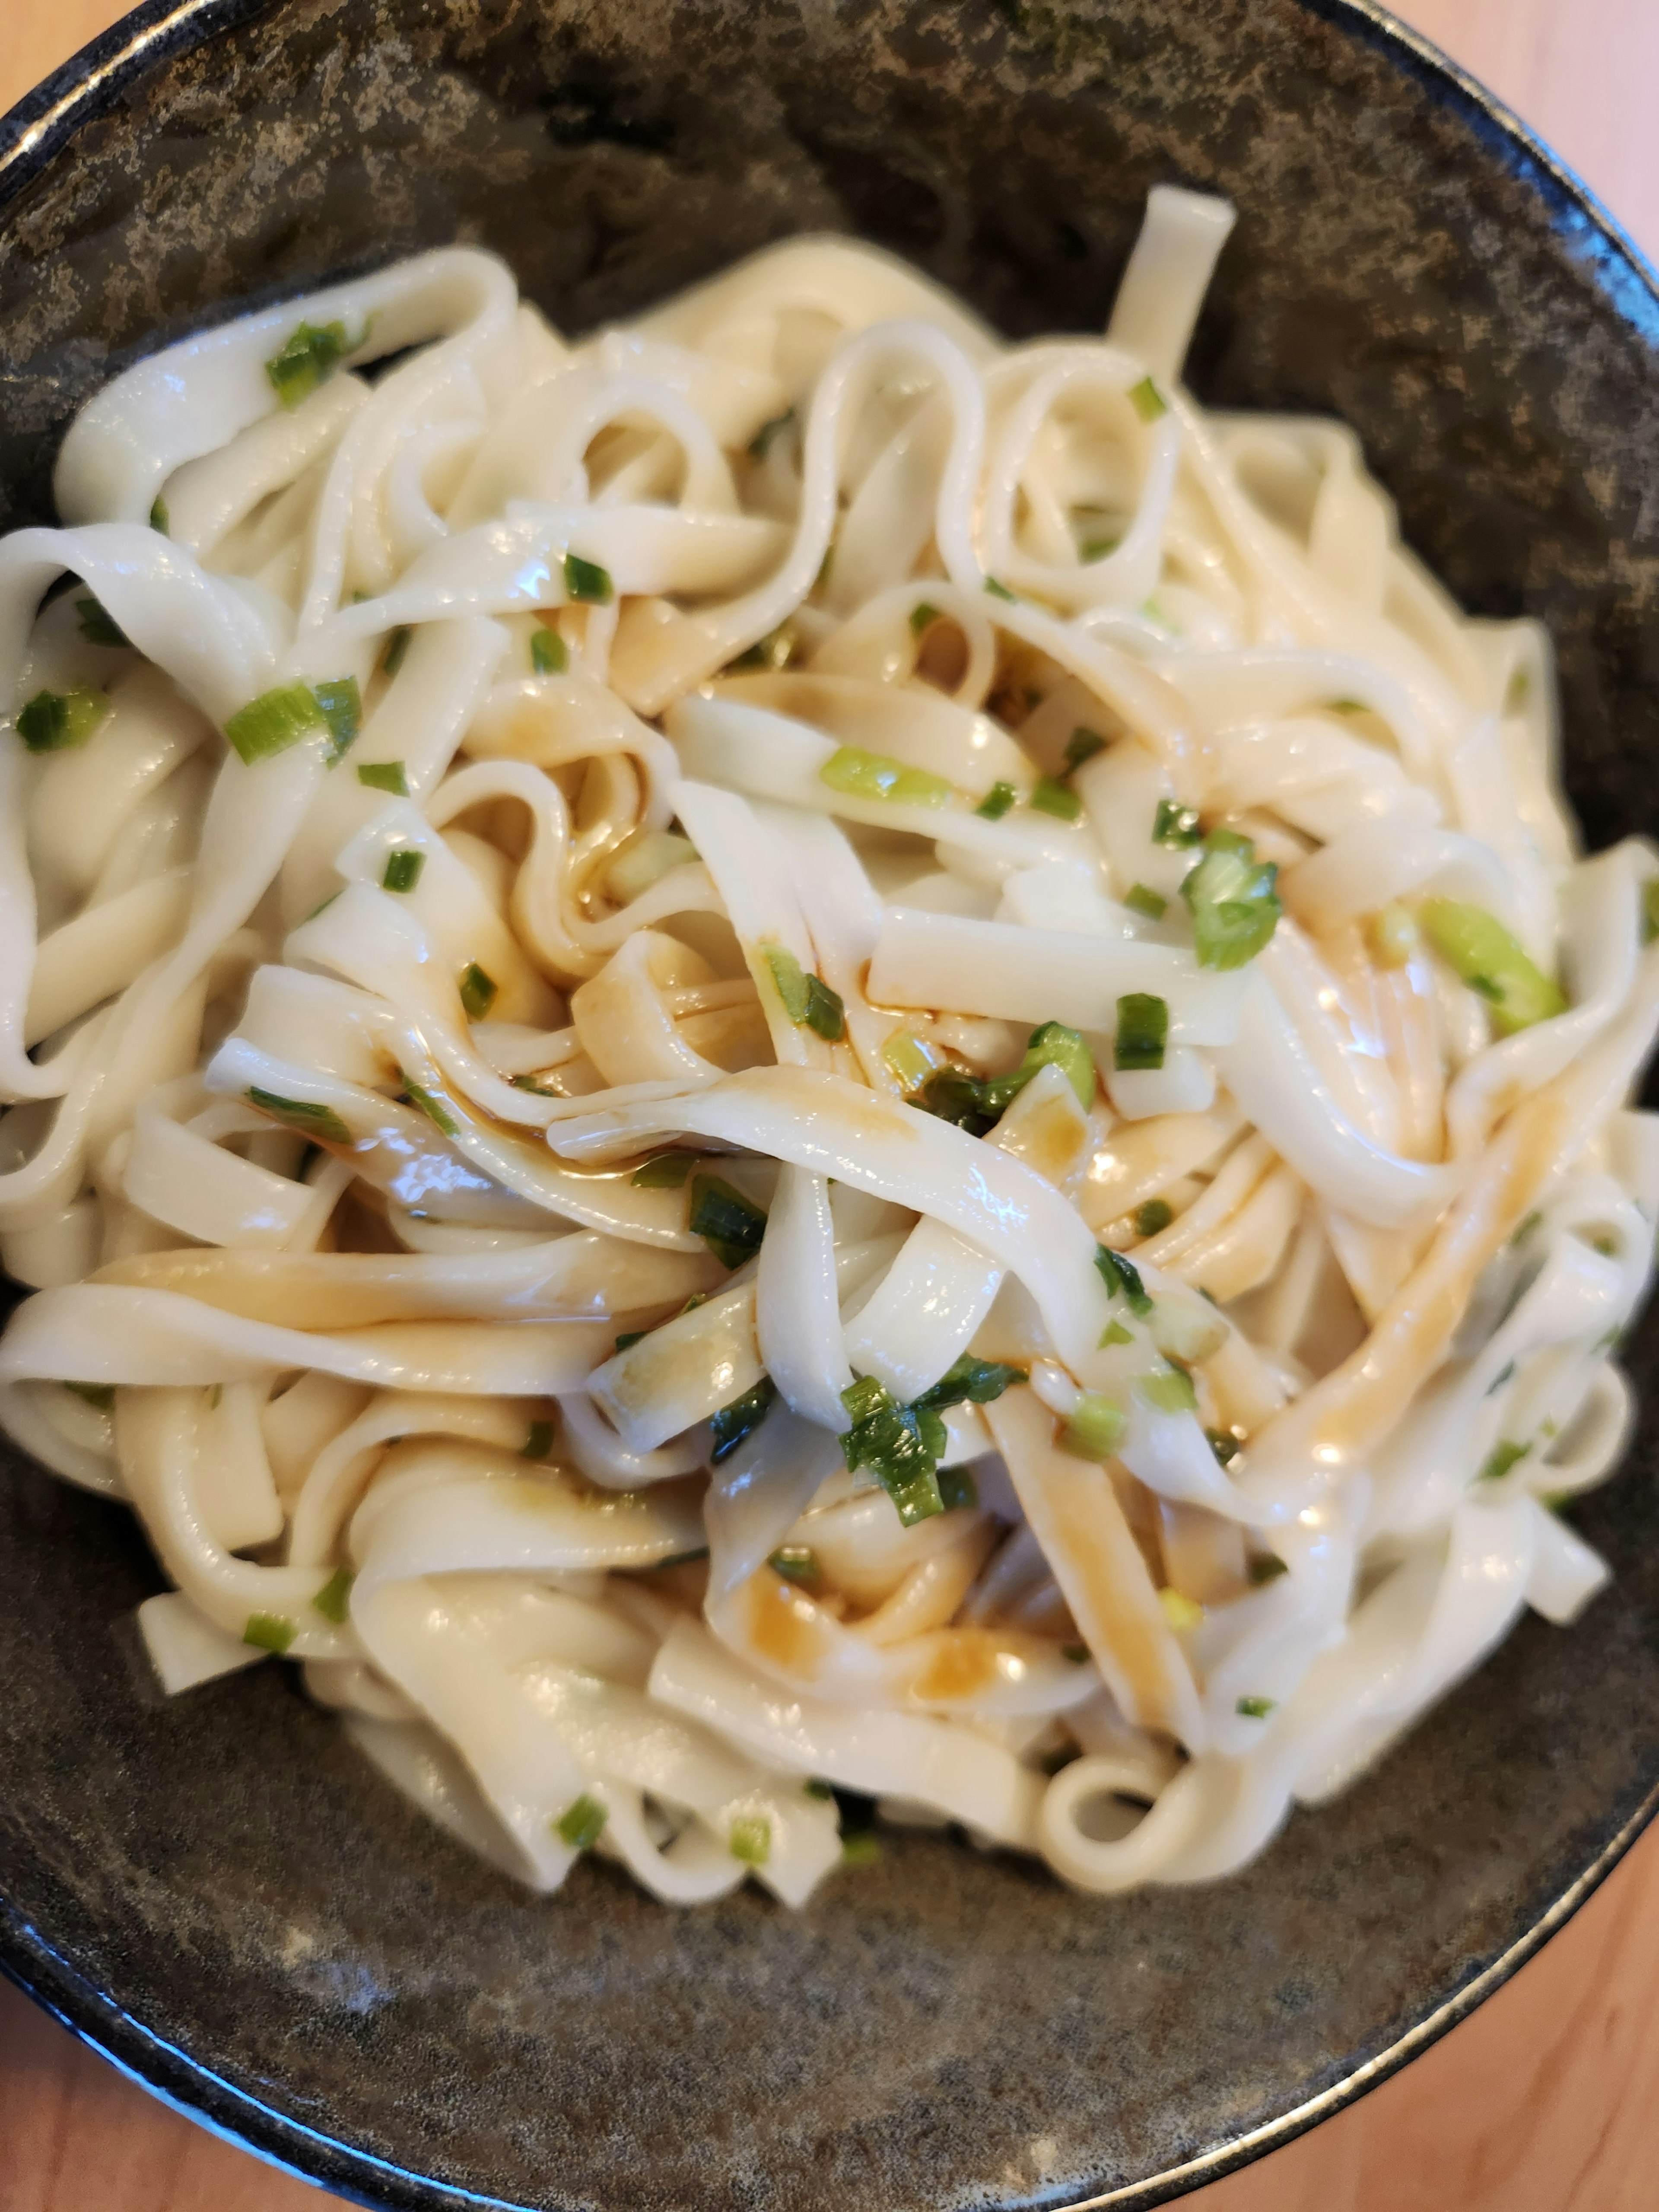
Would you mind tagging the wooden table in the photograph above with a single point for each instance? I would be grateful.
(1541, 2103)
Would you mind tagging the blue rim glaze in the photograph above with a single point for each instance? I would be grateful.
(32, 136)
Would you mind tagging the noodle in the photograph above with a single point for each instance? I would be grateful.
(787, 1053)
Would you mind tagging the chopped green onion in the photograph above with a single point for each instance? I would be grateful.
(549, 653)
(969, 1380)
(774, 650)
(539, 1441)
(1050, 796)
(730, 1225)
(628, 1338)
(1349, 706)
(313, 352)
(1170, 1392)
(1115, 1333)
(1155, 1213)
(98, 625)
(529, 1083)
(384, 775)
(277, 719)
(1095, 1427)
(922, 616)
(396, 646)
(158, 514)
(1225, 1445)
(343, 710)
(1478, 948)
(999, 590)
(269, 1632)
(1500, 1459)
(1096, 549)
(900, 1445)
(1235, 907)
(1140, 899)
(861, 774)
(1180, 1612)
(1265, 1567)
(1001, 796)
(732, 1425)
(761, 444)
(585, 580)
(1394, 935)
(54, 721)
(909, 1060)
(1082, 745)
(1122, 1275)
(334, 1599)
(1147, 400)
(796, 1563)
(1174, 824)
(957, 1488)
(976, 1103)
(1143, 1026)
(101, 1394)
(821, 1790)
(1650, 909)
(750, 1838)
(807, 999)
(434, 1109)
(1255, 1709)
(581, 1824)
(478, 992)
(861, 1849)
(667, 1172)
(302, 1114)
(403, 870)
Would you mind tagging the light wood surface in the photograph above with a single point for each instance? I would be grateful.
(1547, 2100)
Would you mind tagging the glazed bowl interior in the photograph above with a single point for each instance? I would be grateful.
(217, 1889)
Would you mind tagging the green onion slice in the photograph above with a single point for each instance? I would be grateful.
(1255, 1709)
(396, 646)
(969, 1380)
(269, 1632)
(1001, 796)
(313, 1120)
(900, 1444)
(1121, 1276)
(586, 582)
(384, 775)
(796, 1563)
(1476, 945)
(750, 1838)
(277, 719)
(761, 444)
(1094, 1428)
(734, 1423)
(1174, 824)
(861, 774)
(313, 352)
(730, 1225)
(581, 1824)
(1147, 400)
(1140, 899)
(807, 999)
(668, 1171)
(158, 514)
(56, 721)
(922, 616)
(1155, 1214)
(334, 1599)
(1170, 1392)
(1143, 1027)
(343, 710)
(98, 625)
(403, 870)
(434, 1109)
(1050, 796)
(1235, 907)
(478, 992)
(999, 590)
(1082, 745)
(957, 1488)
(549, 654)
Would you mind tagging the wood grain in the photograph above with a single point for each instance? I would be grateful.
(1547, 2100)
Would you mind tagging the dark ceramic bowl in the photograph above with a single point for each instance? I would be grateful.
(215, 1892)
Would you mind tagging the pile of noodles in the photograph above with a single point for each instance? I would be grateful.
(787, 1054)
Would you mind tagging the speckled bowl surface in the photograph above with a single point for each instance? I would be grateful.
(216, 1891)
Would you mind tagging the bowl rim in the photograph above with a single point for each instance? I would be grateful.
(33, 134)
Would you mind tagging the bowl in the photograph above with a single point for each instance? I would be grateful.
(216, 1891)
